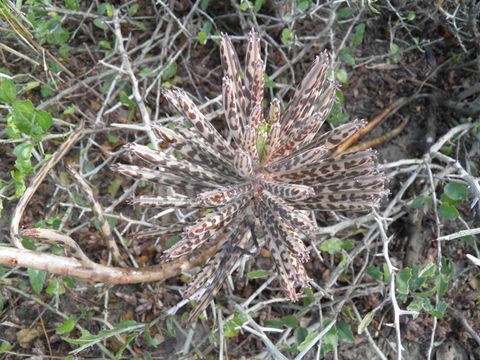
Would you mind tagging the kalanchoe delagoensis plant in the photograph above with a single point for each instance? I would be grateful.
(270, 167)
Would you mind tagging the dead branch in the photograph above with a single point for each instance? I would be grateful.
(63, 265)
(97, 208)
(390, 110)
(381, 139)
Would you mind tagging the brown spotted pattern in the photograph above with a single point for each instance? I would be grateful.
(278, 164)
(224, 195)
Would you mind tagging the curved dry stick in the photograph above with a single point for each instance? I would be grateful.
(36, 181)
(390, 110)
(381, 139)
(97, 209)
(63, 265)
(58, 238)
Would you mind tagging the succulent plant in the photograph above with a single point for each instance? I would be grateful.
(267, 170)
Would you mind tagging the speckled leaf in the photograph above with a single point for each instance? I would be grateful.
(288, 191)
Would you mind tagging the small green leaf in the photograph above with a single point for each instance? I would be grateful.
(22, 116)
(154, 341)
(448, 268)
(403, 280)
(290, 320)
(374, 272)
(287, 36)
(303, 5)
(330, 339)
(29, 243)
(8, 91)
(132, 10)
(420, 201)
(19, 182)
(55, 287)
(273, 323)
(345, 332)
(100, 24)
(121, 325)
(332, 246)
(54, 67)
(411, 16)
(43, 119)
(204, 4)
(105, 44)
(69, 110)
(68, 281)
(309, 298)
(67, 326)
(456, 191)
(37, 279)
(59, 36)
(394, 49)
(415, 305)
(448, 211)
(340, 97)
(300, 335)
(202, 37)
(428, 271)
(125, 100)
(172, 241)
(30, 86)
(269, 84)
(23, 152)
(341, 75)
(343, 261)
(344, 13)
(169, 71)
(114, 186)
(245, 5)
(439, 310)
(4, 346)
(45, 91)
(357, 37)
(239, 318)
(348, 244)
(113, 139)
(258, 5)
(261, 142)
(307, 340)
(386, 273)
(72, 4)
(258, 274)
(109, 9)
(365, 322)
(468, 238)
(347, 310)
(231, 329)
(145, 72)
(347, 59)
(442, 284)
(337, 117)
